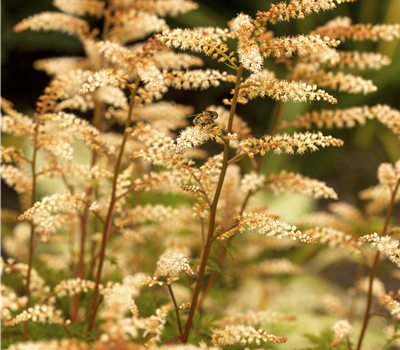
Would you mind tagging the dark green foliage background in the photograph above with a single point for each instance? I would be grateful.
(348, 169)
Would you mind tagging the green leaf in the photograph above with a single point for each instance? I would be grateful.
(212, 267)
(112, 260)
(323, 341)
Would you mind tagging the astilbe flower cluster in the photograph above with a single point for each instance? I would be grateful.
(392, 305)
(254, 318)
(343, 330)
(258, 85)
(386, 245)
(243, 335)
(248, 51)
(42, 314)
(271, 226)
(171, 264)
(333, 305)
(285, 143)
(295, 9)
(274, 267)
(342, 28)
(333, 118)
(296, 183)
(102, 257)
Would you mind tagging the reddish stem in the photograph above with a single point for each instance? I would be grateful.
(373, 269)
(213, 211)
(31, 245)
(257, 169)
(110, 213)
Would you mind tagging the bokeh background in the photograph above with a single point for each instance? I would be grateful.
(348, 169)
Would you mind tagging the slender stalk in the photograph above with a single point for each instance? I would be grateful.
(277, 118)
(79, 273)
(28, 280)
(110, 213)
(97, 121)
(213, 211)
(173, 340)
(107, 22)
(31, 245)
(176, 308)
(226, 230)
(212, 278)
(203, 238)
(257, 168)
(372, 273)
(348, 343)
(373, 270)
(83, 221)
(93, 245)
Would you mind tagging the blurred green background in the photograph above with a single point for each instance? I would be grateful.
(348, 169)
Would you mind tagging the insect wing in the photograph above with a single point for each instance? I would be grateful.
(205, 117)
(198, 119)
(214, 115)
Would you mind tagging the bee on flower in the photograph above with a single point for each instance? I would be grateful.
(204, 118)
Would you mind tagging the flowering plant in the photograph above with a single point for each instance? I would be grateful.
(82, 259)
